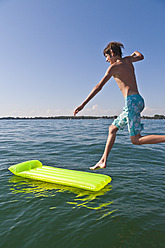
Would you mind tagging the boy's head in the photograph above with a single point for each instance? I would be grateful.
(114, 47)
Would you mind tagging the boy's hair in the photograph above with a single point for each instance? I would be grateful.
(115, 47)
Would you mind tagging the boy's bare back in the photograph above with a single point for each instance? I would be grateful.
(123, 72)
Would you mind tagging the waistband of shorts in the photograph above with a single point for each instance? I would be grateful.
(138, 96)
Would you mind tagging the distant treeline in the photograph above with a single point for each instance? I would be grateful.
(162, 117)
(77, 117)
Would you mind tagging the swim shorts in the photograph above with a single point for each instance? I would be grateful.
(134, 104)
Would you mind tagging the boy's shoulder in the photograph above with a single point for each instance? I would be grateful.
(120, 62)
(127, 59)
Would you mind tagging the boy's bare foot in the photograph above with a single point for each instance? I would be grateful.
(99, 165)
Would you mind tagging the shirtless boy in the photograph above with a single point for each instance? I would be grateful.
(122, 70)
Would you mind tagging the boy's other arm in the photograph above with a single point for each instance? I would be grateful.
(136, 56)
(95, 90)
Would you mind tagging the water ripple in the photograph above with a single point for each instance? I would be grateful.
(129, 212)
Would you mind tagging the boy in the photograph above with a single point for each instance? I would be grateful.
(123, 72)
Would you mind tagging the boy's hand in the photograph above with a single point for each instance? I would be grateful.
(78, 109)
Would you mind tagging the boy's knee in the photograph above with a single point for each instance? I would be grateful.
(135, 140)
(113, 129)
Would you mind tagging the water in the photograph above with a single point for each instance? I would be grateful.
(129, 212)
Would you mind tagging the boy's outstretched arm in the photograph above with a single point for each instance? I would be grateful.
(95, 90)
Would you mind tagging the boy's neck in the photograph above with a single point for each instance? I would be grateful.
(116, 59)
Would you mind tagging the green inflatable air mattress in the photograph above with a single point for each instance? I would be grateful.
(34, 169)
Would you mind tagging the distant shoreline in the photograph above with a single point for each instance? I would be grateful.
(155, 117)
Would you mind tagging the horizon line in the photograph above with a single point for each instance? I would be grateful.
(156, 116)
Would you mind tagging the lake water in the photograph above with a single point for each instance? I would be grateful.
(129, 212)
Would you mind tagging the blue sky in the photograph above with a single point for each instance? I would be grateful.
(51, 54)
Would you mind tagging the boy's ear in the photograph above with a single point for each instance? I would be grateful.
(112, 53)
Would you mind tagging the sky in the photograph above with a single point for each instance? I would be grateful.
(51, 55)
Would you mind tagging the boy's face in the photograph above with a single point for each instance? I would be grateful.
(110, 57)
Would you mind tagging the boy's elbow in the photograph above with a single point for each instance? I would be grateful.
(140, 55)
(99, 87)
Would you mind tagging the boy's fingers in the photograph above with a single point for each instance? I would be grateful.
(75, 112)
(78, 109)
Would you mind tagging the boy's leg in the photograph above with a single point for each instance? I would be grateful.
(110, 141)
(148, 139)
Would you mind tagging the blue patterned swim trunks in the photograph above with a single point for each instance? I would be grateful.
(134, 104)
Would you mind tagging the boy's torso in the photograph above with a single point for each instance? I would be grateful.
(124, 75)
